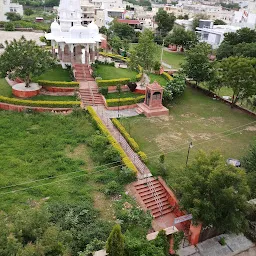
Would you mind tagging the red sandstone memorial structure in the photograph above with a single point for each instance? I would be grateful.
(152, 105)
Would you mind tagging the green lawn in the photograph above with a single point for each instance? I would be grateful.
(5, 88)
(197, 118)
(110, 72)
(55, 74)
(115, 95)
(160, 79)
(38, 146)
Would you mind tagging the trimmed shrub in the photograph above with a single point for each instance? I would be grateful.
(112, 82)
(143, 156)
(9, 26)
(104, 91)
(167, 76)
(125, 159)
(139, 76)
(40, 103)
(57, 83)
(133, 144)
(114, 56)
(132, 86)
(124, 101)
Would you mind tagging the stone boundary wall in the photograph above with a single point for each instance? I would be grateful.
(213, 95)
(60, 89)
(19, 108)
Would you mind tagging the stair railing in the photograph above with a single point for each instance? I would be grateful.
(156, 196)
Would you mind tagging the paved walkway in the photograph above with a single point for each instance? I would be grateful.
(116, 113)
(142, 168)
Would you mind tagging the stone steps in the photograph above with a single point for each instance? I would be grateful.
(154, 197)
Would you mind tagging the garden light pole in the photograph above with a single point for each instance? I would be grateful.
(189, 147)
(162, 52)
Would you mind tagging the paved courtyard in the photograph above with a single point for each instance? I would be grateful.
(10, 35)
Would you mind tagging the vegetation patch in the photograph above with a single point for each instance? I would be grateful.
(125, 101)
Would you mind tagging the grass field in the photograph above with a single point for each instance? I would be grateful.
(110, 72)
(193, 118)
(115, 95)
(38, 146)
(160, 79)
(5, 88)
(55, 74)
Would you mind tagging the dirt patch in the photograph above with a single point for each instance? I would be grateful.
(165, 140)
(251, 128)
(216, 119)
(104, 206)
(80, 153)
(200, 136)
(161, 119)
(188, 115)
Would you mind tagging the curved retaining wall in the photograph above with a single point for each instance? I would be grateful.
(25, 94)
(18, 108)
(60, 89)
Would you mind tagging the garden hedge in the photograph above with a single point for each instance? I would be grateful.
(139, 76)
(125, 159)
(167, 76)
(133, 144)
(115, 56)
(110, 82)
(57, 83)
(40, 103)
(124, 101)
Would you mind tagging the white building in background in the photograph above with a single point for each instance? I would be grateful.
(213, 34)
(7, 6)
(73, 42)
(244, 19)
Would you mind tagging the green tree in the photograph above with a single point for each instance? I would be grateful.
(219, 22)
(145, 52)
(28, 12)
(215, 193)
(122, 30)
(9, 26)
(180, 36)
(24, 59)
(233, 40)
(248, 163)
(197, 18)
(116, 43)
(115, 242)
(164, 21)
(13, 16)
(197, 64)
(239, 74)
(245, 50)
(161, 241)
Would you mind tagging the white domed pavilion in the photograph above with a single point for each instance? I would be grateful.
(73, 42)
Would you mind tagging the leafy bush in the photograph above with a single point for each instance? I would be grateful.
(57, 83)
(125, 159)
(112, 188)
(104, 91)
(126, 175)
(132, 86)
(139, 76)
(9, 26)
(111, 155)
(124, 101)
(157, 66)
(40, 103)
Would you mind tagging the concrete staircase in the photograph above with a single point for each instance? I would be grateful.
(91, 97)
(153, 196)
(82, 73)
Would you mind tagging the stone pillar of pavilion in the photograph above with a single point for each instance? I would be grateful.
(86, 54)
(97, 50)
(62, 51)
(92, 53)
(152, 105)
(53, 48)
(71, 48)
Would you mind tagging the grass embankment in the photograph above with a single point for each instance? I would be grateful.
(160, 79)
(197, 118)
(107, 72)
(38, 146)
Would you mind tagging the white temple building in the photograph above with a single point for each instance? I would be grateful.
(73, 42)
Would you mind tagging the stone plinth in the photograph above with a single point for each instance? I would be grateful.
(150, 112)
(20, 90)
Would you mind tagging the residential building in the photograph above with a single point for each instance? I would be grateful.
(7, 6)
(213, 34)
(243, 19)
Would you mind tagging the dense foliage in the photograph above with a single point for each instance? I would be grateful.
(24, 59)
(215, 193)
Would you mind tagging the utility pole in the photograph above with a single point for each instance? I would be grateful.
(189, 147)
(162, 52)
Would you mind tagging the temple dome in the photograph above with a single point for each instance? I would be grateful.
(55, 28)
(77, 31)
(93, 29)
